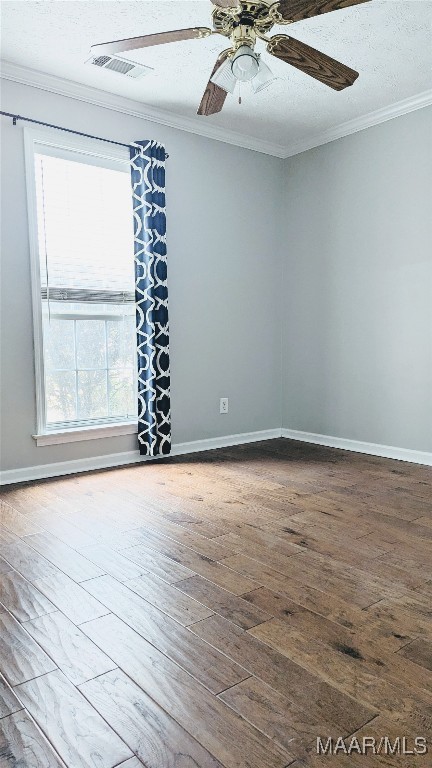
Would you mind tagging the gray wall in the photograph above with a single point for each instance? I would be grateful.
(223, 276)
(357, 256)
(331, 248)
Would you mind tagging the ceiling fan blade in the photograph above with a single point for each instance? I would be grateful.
(312, 62)
(296, 10)
(214, 96)
(226, 3)
(131, 43)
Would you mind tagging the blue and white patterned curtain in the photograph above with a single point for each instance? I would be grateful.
(151, 295)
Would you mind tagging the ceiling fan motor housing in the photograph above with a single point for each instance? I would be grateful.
(243, 34)
(253, 15)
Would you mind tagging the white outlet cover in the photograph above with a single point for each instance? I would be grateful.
(223, 405)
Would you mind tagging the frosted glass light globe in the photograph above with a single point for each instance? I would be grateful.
(245, 64)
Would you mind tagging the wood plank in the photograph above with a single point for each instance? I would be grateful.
(425, 590)
(28, 499)
(321, 538)
(426, 520)
(5, 567)
(204, 663)
(211, 548)
(388, 580)
(22, 745)
(201, 564)
(29, 563)
(396, 526)
(71, 650)
(404, 617)
(231, 607)
(92, 526)
(329, 605)
(339, 522)
(231, 740)
(303, 582)
(392, 729)
(340, 579)
(22, 659)
(21, 597)
(63, 528)
(75, 602)
(113, 563)
(7, 537)
(276, 716)
(311, 624)
(353, 667)
(196, 524)
(15, 522)
(63, 557)
(154, 562)
(419, 651)
(152, 734)
(322, 700)
(269, 556)
(78, 733)
(169, 600)
(249, 539)
(280, 605)
(8, 701)
(156, 523)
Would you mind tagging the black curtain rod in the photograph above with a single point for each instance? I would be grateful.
(15, 118)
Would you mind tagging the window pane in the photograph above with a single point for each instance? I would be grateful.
(122, 400)
(121, 343)
(59, 344)
(91, 351)
(61, 396)
(86, 259)
(92, 395)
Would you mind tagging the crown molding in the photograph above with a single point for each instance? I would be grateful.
(90, 95)
(399, 108)
(95, 96)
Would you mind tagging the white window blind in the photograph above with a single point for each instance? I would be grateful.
(85, 226)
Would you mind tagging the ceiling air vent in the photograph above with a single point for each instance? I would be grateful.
(120, 65)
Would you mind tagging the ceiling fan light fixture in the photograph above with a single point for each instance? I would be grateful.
(244, 64)
(263, 78)
(224, 78)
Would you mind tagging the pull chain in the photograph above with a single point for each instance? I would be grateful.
(239, 98)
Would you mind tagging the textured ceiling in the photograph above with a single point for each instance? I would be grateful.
(389, 43)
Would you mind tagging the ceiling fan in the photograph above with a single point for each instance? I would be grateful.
(243, 22)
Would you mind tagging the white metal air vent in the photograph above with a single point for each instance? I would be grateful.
(119, 65)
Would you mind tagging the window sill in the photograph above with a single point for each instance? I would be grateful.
(86, 433)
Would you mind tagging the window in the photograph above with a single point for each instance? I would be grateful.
(84, 292)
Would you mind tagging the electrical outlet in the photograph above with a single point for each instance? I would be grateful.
(223, 405)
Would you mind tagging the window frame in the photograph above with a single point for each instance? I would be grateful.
(35, 140)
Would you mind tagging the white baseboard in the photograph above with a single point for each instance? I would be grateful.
(58, 469)
(373, 449)
(42, 471)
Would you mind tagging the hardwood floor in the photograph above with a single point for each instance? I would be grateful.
(221, 610)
